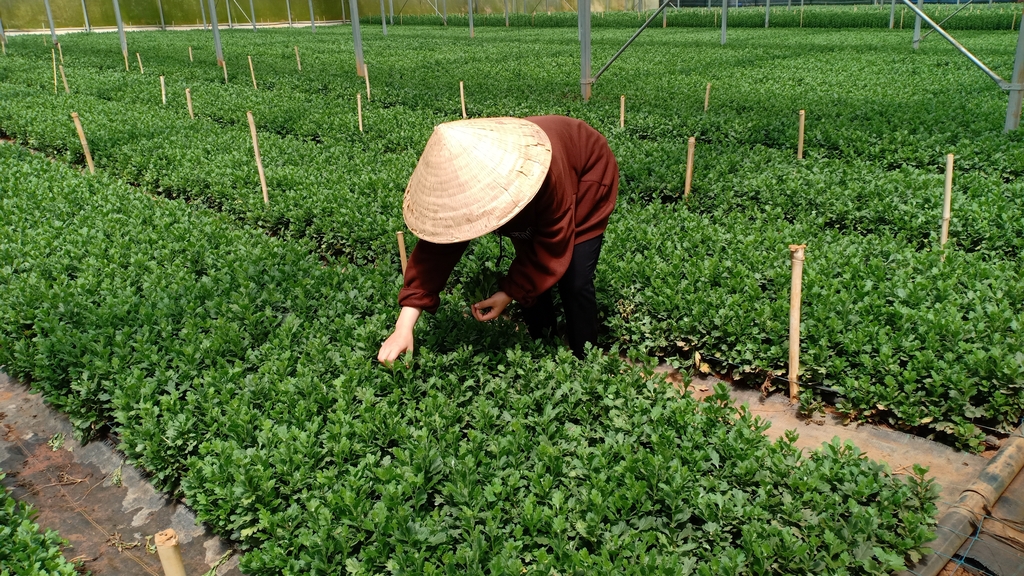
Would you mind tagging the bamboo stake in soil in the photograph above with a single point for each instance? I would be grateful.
(141, 69)
(225, 66)
(902, 14)
(946, 202)
(462, 96)
(188, 100)
(190, 54)
(65, 79)
(126, 68)
(689, 165)
(169, 553)
(622, 111)
(366, 76)
(85, 144)
(707, 97)
(259, 159)
(401, 251)
(163, 91)
(800, 138)
(359, 109)
(60, 52)
(54, 55)
(298, 60)
(253, 74)
(795, 291)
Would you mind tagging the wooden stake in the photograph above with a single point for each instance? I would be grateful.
(366, 76)
(163, 91)
(126, 68)
(902, 14)
(54, 55)
(253, 74)
(800, 138)
(946, 203)
(462, 95)
(707, 97)
(169, 553)
(401, 251)
(689, 165)
(622, 111)
(359, 109)
(795, 291)
(188, 100)
(224, 65)
(141, 69)
(85, 144)
(190, 54)
(65, 79)
(60, 51)
(298, 60)
(259, 160)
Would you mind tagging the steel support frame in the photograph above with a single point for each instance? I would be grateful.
(357, 37)
(583, 21)
(383, 18)
(49, 18)
(917, 24)
(636, 34)
(288, 8)
(767, 11)
(1015, 86)
(202, 10)
(312, 18)
(391, 11)
(120, 28)
(252, 10)
(725, 16)
(472, 32)
(160, 7)
(212, 5)
(85, 16)
(3, 35)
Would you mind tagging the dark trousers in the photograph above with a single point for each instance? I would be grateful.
(579, 299)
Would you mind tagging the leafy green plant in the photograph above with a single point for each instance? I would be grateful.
(27, 550)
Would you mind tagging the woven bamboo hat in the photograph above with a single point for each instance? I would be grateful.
(474, 176)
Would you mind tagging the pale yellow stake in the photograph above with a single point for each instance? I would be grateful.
(707, 97)
(253, 74)
(401, 251)
(190, 54)
(795, 291)
(366, 76)
(622, 111)
(126, 68)
(54, 55)
(689, 165)
(259, 160)
(65, 79)
(169, 553)
(85, 144)
(800, 138)
(298, 61)
(946, 203)
(163, 91)
(462, 96)
(188, 99)
(60, 51)
(359, 109)
(225, 66)
(141, 69)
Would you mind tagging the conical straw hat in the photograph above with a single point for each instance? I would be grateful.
(474, 176)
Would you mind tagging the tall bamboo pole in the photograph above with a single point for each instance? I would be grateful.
(795, 292)
(259, 159)
(85, 143)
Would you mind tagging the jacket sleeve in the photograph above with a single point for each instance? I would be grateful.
(427, 272)
(542, 261)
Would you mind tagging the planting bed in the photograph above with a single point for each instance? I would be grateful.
(231, 344)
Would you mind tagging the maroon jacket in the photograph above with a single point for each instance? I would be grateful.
(572, 206)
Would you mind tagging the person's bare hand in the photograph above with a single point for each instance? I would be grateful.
(400, 342)
(492, 307)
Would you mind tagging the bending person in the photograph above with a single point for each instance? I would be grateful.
(549, 183)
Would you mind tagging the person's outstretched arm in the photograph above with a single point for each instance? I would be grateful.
(401, 340)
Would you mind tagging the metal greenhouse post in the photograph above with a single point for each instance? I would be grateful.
(202, 10)
(85, 14)
(767, 11)
(444, 11)
(892, 15)
(917, 26)
(288, 9)
(391, 12)
(1013, 108)
(472, 33)
(383, 18)
(583, 17)
(227, 6)
(312, 17)
(252, 10)
(120, 32)
(506, 13)
(216, 33)
(725, 13)
(160, 7)
(49, 16)
(357, 36)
